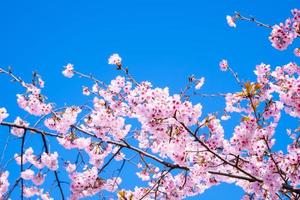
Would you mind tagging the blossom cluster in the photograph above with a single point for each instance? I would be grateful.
(282, 35)
(87, 183)
(45, 160)
(188, 149)
(33, 102)
(61, 122)
(4, 184)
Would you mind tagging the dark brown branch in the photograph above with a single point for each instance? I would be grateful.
(35, 130)
(156, 183)
(109, 161)
(126, 71)
(216, 154)
(22, 162)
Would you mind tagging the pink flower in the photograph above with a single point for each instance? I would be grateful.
(33, 103)
(46, 196)
(86, 183)
(31, 191)
(86, 91)
(223, 65)
(62, 122)
(297, 52)
(82, 143)
(38, 179)
(95, 88)
(41, 82)
(68, 72)
(281, 37)
(19, 131)
(115, 59)
(225, 117)
(3, 114)
(230, 21)
(70, 168)
(144, 175)
(50, 160)
(27, 174)
(200, 83)
(21, 100)
(4, 184)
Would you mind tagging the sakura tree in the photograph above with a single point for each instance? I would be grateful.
(176, 151)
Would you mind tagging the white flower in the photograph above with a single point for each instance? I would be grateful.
(3, 114)
(200, 83)
(115, 59)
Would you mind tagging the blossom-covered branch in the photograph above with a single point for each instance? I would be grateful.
(176, 150)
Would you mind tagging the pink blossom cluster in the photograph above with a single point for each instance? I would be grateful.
(71, 141)
(4, 184)
(69, 71)
(87, 183)
(37, 178)
(45, 160)
(189, 152)
(19, 132)
(33, 102)
(282, 35)
(96, 152)
(32, 191)
(62, 121)
(174, 129)
(50, 160)
(161, 117)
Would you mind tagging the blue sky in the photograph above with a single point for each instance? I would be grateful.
(162, 41)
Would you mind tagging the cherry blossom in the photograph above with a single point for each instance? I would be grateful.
(50, 160)
(61, 122)
(68, 72)
(223, 65)
(28, 174)
(3, 114)
(19, 131)
(297, 52)
(38, 179)
(280, 37)
(230, 21)
(86, 183)
(4, 184)
(115, 59)
(200, 83)
(177, 148)
(86, 91)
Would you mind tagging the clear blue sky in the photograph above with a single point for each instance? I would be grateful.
(160, 41)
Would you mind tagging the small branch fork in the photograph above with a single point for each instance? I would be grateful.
(258, 119)
(251, 19)
(42, 133)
